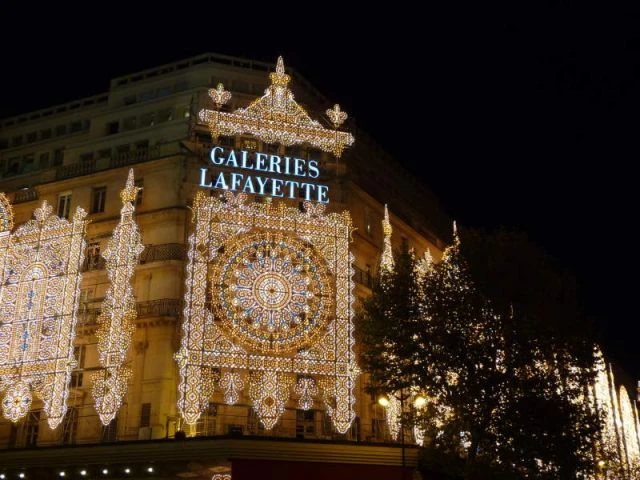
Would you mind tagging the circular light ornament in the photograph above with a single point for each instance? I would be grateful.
(272, 292)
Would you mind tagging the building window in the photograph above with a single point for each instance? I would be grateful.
(140, 184)
(148, 119)
(64, 204)
(129, 100)
(76, 126)
(98, 198)
(4, 143)
(109, 433)
(45, 134)
(31, 429)
(93, 256)
(79, 353)
(145, 415)
(86, 157)
(70, 426)
(123, 149)
(28, 163)
(305, 423)
(367, 221)
(113, 127)
(44, 160)
(17, 141)
(165, 115)
(405, 243)
(129, 123)
(104, 153)
(32, 137)
(61, 130)
(249, 144)
(141, 145)
(58, 157)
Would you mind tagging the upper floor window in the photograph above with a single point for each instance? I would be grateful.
(98, 198)
(64, 204)
(61, 130)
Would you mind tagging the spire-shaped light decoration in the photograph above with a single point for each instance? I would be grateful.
(39, 291)
(423, 265)
(276, 118)
(386, 262)
(118, 309)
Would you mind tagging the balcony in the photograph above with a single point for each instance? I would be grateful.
(24, 195)
(151, 253)
(362, 277)
(164, 307)
(119, 160)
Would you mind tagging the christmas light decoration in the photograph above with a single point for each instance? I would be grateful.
(276, 117)
(221, 476)
(629, 433)
(393, 414)
(268, 294)
(6, 214)
(386, 262)
(232, 384)
(39, 290)
(307, 389)
(269, 392)
(118, 309)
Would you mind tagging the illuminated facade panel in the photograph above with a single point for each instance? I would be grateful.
(268, 293)
(40, 284)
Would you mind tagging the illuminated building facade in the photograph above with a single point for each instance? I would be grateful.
(234, 221)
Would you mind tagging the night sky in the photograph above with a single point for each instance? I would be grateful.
(515, 116)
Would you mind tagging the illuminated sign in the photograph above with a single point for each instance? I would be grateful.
(257, 168)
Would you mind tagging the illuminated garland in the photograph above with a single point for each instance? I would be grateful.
(117, 320)
(269, 392)
(6, 214)
(231, 384)
(386, 263)
(39, 291)
(268, 293)
(307, 390)
(276, 118)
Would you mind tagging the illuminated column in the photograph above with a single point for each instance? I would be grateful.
(386, 262)
(117, 319)
(39, 292)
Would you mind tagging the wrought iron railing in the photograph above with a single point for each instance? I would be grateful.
(165, 251)
(76, 169)
(25, 195)
(164, 307)
(151, 253)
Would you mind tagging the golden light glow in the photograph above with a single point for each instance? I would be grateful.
(268, 294)
(419, 401)
(6, 214)
(307, 390)
(117, 319)
(231, 384)
(276, 118)
(386, 263)
(39, 291)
